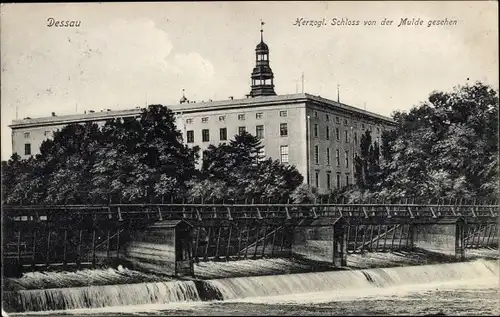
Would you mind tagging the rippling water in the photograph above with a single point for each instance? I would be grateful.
(477, 296)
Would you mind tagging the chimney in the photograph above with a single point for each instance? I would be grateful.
(53, 114)
(231, 97)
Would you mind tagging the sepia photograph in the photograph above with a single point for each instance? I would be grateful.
(250, 158)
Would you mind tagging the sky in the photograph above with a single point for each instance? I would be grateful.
(125, 55)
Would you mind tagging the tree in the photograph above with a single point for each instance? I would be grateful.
(367, 164)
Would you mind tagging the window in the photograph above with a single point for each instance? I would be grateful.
(190, 136)
(283, 113)
(241, 130)
(189, 121)
(328, 180)
(26, 135)
(338, 180)
(327, 156)
(223, 134)
(222, 118)
(362, 125)
(315, 130)
(346, 158)
(241, 117)
(316, 154)
(337, 157)
(27, 149)
(261, 156)
(337, 119)
(47, 133)
(355, 124)
(204, 119)
(316, 178)
(346, 137)
(328, 133)
(355, 137)
(259, 131)
(284, 153)
(337, 133)
(315, 114)
(283, 129)
(347, 180)
(327, 117)
(205, 135)
(345, 121)
(258, 115)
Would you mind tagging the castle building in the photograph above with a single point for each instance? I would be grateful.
(320, 137)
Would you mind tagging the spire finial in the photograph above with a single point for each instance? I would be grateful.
(261, 30)
(183, 92)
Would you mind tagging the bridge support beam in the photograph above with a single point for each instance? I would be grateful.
(460, 239)
(339, 243)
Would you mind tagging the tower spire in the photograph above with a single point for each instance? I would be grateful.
(261, 30)
(262, 75)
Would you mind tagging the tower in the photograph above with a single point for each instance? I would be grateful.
(262, 75)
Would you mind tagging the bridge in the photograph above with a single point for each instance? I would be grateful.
(39, 237)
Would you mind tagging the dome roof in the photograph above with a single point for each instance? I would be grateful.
(183, 99)
(262, 46)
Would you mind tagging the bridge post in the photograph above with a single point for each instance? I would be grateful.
(460, 239)
(339, 243)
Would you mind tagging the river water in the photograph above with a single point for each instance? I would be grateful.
(470, 288)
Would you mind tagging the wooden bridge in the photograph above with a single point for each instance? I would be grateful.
(87, 235)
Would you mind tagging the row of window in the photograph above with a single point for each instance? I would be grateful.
(259, 133)
(28, 134)
(241, 116)
(337, 156)
(346, 121)
(337, 134)
(329, 179)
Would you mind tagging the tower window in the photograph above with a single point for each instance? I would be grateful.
(241, 130)
(205, 135)
(259, 131)
(258, 115)
(190, 136)
(222, 118)
(284, 153)
(204, 119)
(27, 149)
(189, 121)
(283, 113)
(241, 117)
(316, 154)
(223, 134)
(315, 130)
(283, 129)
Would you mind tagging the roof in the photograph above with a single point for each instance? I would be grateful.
(204, 106)
(262, 47)
(169, 224)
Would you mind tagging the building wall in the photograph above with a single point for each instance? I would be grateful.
(271, 120)
(355, 126)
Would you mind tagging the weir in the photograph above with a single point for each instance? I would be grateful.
(245, 287)
(74, 237)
